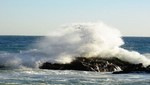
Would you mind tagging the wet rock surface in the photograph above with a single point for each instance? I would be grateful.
(98, 65)
(135, 68)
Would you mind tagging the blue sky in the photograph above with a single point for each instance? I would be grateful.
(38, 17)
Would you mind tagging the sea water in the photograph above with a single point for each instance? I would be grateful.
(21, 45)
(21, 56)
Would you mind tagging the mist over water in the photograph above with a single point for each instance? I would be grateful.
(71, 41)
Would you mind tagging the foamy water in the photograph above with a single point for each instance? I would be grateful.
(57, 77)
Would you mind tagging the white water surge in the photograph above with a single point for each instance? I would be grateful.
(75, 40)
(87, 40)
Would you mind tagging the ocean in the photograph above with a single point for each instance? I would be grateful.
(18, 53)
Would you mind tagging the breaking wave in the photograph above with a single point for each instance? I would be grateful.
(71, 41)
(87, 40)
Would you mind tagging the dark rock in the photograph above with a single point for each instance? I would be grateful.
(148, 68)
(98, 65)
(2, 66)
(134, 68)
(87, 64)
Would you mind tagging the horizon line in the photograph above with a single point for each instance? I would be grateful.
(47, 35)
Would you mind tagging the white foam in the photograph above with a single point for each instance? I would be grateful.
(75, 40)
(87, 40)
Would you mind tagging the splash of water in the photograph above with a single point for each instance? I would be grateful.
(87, 40)
(71, 41)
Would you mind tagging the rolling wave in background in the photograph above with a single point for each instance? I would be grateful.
(71, 41)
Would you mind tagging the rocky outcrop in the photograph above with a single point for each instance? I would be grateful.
(83, 64)
(98, 65)
(88, 64)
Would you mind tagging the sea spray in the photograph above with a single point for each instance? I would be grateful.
(81, 39)
(87, 40)
(71, 41)
(24, 59)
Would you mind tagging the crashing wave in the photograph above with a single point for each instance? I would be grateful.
(79, 39)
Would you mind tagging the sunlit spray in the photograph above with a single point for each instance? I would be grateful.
(87, 40)
(71, 41)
